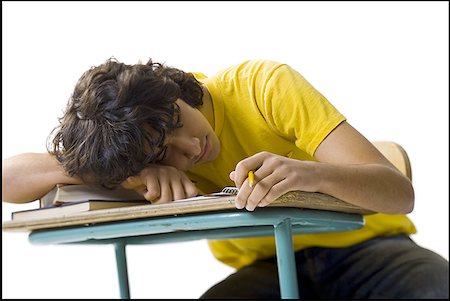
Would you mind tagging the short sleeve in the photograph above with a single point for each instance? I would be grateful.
(294, 109)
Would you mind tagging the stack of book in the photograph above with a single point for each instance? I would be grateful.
(68, 199)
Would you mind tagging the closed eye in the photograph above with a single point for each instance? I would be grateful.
(162, 155)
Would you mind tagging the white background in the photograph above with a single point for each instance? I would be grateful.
(382, 64)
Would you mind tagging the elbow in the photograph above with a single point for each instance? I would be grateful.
(401, 200)
(407, 208)
(6, 191)
(403, 192)
(11, 188)
(407, 203)
(410, 200)
(8, 195)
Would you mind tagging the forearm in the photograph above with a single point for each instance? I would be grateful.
(376, 187)
(27, 177)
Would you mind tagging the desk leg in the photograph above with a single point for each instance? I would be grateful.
(287, 271)
(121, 260)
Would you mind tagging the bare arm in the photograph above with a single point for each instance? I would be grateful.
(354, 170)
(28, 176)
(349, 167)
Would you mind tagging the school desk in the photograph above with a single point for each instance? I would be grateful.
(294, 213)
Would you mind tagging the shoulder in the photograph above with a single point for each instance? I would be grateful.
(256, 69)
(198, 75)
(257, 66)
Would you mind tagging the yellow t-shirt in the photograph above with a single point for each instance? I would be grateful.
(261, 105)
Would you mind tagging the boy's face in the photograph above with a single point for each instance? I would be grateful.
(192, 144)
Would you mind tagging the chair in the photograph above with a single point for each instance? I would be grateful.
(396, 154)
(220, 224)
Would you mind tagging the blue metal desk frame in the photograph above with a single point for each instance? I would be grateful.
(280, 222)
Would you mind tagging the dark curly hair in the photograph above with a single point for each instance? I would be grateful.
(117, 118)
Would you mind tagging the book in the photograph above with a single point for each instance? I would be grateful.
(63, 193)
(226, 191)
(75, 198)
(71, 208)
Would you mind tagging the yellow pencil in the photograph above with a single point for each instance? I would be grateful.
(251, 178)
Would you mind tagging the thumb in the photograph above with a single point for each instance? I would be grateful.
(232, 175)
(131, 183)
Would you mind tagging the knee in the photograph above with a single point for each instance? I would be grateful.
(436, 287)
(429, 281)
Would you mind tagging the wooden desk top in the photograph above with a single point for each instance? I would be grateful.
(294, 199)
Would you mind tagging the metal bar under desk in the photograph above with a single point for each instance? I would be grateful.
(280, 222)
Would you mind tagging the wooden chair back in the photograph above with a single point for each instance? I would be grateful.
(396, 154)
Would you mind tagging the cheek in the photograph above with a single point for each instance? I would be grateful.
(216, 148)
(175, 160)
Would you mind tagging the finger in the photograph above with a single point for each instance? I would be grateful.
(277, 190)
(245, 191)
(131, 182)
(178, 190)
(241, 198)
(189, 188)
(245, 165)
(166, 193)
(152, 195)
(142, 190)
(232, 175)
(153, 190)
(260, 191)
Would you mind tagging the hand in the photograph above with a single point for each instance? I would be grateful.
(161, 184)
(274, 176)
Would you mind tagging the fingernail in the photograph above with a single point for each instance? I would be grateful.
(239, 205)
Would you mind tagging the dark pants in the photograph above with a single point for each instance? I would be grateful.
(381, 268)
